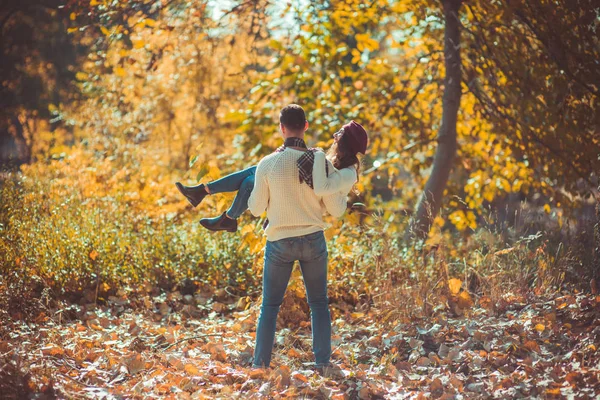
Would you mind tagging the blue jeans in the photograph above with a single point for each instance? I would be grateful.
(311, 251)
(243, 182)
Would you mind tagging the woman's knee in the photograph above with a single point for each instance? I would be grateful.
(248, 183)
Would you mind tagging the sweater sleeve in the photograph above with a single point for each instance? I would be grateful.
(259, 199)
(337, 181)
(335, 204)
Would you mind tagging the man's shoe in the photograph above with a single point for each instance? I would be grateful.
(194, 194)
(331, 371)
(222, 223)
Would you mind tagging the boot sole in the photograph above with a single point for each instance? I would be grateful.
(217, 230)
(189, 199)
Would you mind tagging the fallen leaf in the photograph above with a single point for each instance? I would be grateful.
(464, 300)
(135, 364)
(191, 369)
(454, 286)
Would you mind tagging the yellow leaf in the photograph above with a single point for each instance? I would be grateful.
(93, 255)
(150, 22)
(247, 229)
(547, 208)
(356, 55)
(454, 286)
(138, 44)
(105, 31)
(464, 300)
(191, 369)
(119, 71)
(540, 327)
(71, 30)
(72, 16)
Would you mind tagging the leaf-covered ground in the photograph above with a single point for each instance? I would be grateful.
(197, 346)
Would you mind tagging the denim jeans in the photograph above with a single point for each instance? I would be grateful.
(243, 182)
(311, 251)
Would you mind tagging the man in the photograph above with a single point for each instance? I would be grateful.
(294, 232)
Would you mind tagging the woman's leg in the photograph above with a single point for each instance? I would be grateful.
(240, 203)
(228, 220)
(231, 182)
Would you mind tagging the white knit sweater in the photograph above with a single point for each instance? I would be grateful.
(293, 208)
(338, 180)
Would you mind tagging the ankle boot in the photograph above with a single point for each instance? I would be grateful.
(222, 223)
(194, 194)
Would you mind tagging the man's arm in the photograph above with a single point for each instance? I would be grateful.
(337, 181)
(335, 204)
(259, 199)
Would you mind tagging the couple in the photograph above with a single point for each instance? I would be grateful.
(295, 185)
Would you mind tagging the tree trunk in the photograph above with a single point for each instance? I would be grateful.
(430, 201)
(22, 144)
(597, 239)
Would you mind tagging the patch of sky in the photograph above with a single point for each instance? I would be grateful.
(283, 15)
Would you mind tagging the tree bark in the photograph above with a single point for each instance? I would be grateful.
(22, 144)
(430, 201)
(597, 239)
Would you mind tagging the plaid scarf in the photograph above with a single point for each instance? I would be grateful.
(305, 162)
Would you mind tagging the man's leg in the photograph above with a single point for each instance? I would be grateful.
(314, 273)
(231, 182)
(276, 274)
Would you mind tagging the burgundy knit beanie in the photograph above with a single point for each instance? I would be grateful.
(356, 137)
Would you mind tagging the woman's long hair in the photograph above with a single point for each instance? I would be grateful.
(341, 156)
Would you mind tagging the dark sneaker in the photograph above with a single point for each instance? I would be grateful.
(194, 194)
(222, 223)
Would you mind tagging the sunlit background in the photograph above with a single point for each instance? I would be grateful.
(104, 105)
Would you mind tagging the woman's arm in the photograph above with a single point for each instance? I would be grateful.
(335, 204)
(337, 181)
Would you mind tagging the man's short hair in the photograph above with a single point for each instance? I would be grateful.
(293, 117)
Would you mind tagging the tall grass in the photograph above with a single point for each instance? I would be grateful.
(84, 225)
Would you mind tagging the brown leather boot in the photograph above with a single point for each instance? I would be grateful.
(194, 194)
(222, 223)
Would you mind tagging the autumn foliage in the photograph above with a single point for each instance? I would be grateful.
(110, 287)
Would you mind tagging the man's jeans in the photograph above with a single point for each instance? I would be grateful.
(311, 251)
(243, 182)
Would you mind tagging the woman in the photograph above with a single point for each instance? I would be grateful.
(337, 171)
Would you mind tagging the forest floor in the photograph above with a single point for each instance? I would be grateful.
(175, 346)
